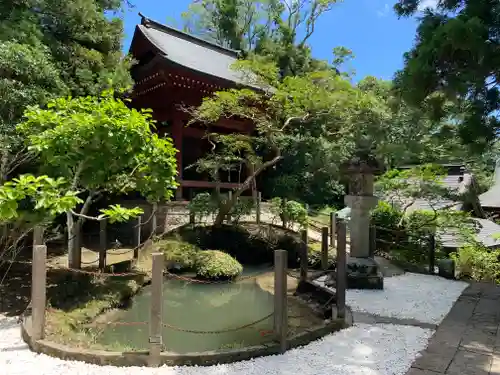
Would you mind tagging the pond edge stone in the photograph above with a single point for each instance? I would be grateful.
(140, 358)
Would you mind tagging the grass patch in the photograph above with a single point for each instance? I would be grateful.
(321, 216)
(179, 255)
(77, 300)
(314, 255)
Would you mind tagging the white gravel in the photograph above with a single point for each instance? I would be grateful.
(364, 349)
(424, 298)
(383, 349)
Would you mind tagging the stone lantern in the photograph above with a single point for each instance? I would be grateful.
(362, 270)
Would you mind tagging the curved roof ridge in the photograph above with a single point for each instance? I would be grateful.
(147, 22)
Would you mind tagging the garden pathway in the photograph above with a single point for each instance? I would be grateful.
(467, 342)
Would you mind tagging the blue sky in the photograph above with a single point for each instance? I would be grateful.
(369, 28)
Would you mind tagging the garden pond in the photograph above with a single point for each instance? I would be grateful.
(198, 307)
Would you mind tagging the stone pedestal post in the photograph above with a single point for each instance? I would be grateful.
(359, 224)
(362, 270)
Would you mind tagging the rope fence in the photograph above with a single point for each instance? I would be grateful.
(143, 234)
(280, 330)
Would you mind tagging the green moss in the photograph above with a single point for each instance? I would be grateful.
(67, 319)
(215, 264)
(314, 256)
(178, 253)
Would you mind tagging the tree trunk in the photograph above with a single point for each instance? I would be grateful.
(226, 207)
(74, 243)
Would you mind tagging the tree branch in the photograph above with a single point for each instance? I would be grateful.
(86, 217)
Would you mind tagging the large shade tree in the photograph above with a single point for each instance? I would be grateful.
(276, 28)
(320, 105)
(51, 48)
(453, 67)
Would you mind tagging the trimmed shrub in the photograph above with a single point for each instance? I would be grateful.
(215, 264)
(178, 254)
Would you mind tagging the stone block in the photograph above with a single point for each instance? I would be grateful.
(437, 362)
(364, 273)
(417, 371)
(469, 363)
(477, 340)
(495, 364)
(446, 268)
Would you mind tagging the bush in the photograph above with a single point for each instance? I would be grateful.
(242, 207)
(178, 254)
(477, 263)
(215, 264)
(290, 212)
(202, 205)
(386, 216)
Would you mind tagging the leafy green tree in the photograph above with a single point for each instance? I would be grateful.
(28, 201)
(453, 66)
(276, 28)
(412, 135)
(51, 48)
(99, 146)
(319, 104)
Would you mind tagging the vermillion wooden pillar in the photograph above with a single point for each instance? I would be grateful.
(177, 137)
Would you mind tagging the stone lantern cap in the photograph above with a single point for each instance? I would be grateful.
(362, 164)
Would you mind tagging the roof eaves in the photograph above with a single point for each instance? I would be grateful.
(147, 22)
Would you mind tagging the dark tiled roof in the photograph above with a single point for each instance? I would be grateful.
(193, 53)
(491, 199)
(486, 231)
(453, 183)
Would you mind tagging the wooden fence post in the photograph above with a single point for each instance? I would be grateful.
(373, 241)
(258, 207)
(103, 243)
(38, 235)
(303, 255)
(229, 197)
(280, 298)
(432, 254)
(284, 218)
(138, 239)
(38, 291)
(75, 257)
(333, 224)
(324, 248)
(155, 322)
(341, 284)
(154, 219)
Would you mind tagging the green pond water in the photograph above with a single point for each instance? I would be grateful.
(197, 307)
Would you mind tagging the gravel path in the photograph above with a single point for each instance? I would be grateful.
(364, 349)
(424, 298)
(359, 350)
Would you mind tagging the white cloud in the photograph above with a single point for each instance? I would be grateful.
(424, 4)
(384, 11)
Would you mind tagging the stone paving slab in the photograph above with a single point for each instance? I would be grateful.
(467, 342)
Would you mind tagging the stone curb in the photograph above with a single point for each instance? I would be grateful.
(141, 358)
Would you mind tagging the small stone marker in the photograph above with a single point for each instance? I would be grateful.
(155, 322)
(38, 291)
(280, 298)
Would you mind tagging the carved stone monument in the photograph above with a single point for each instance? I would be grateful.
(362, 270)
